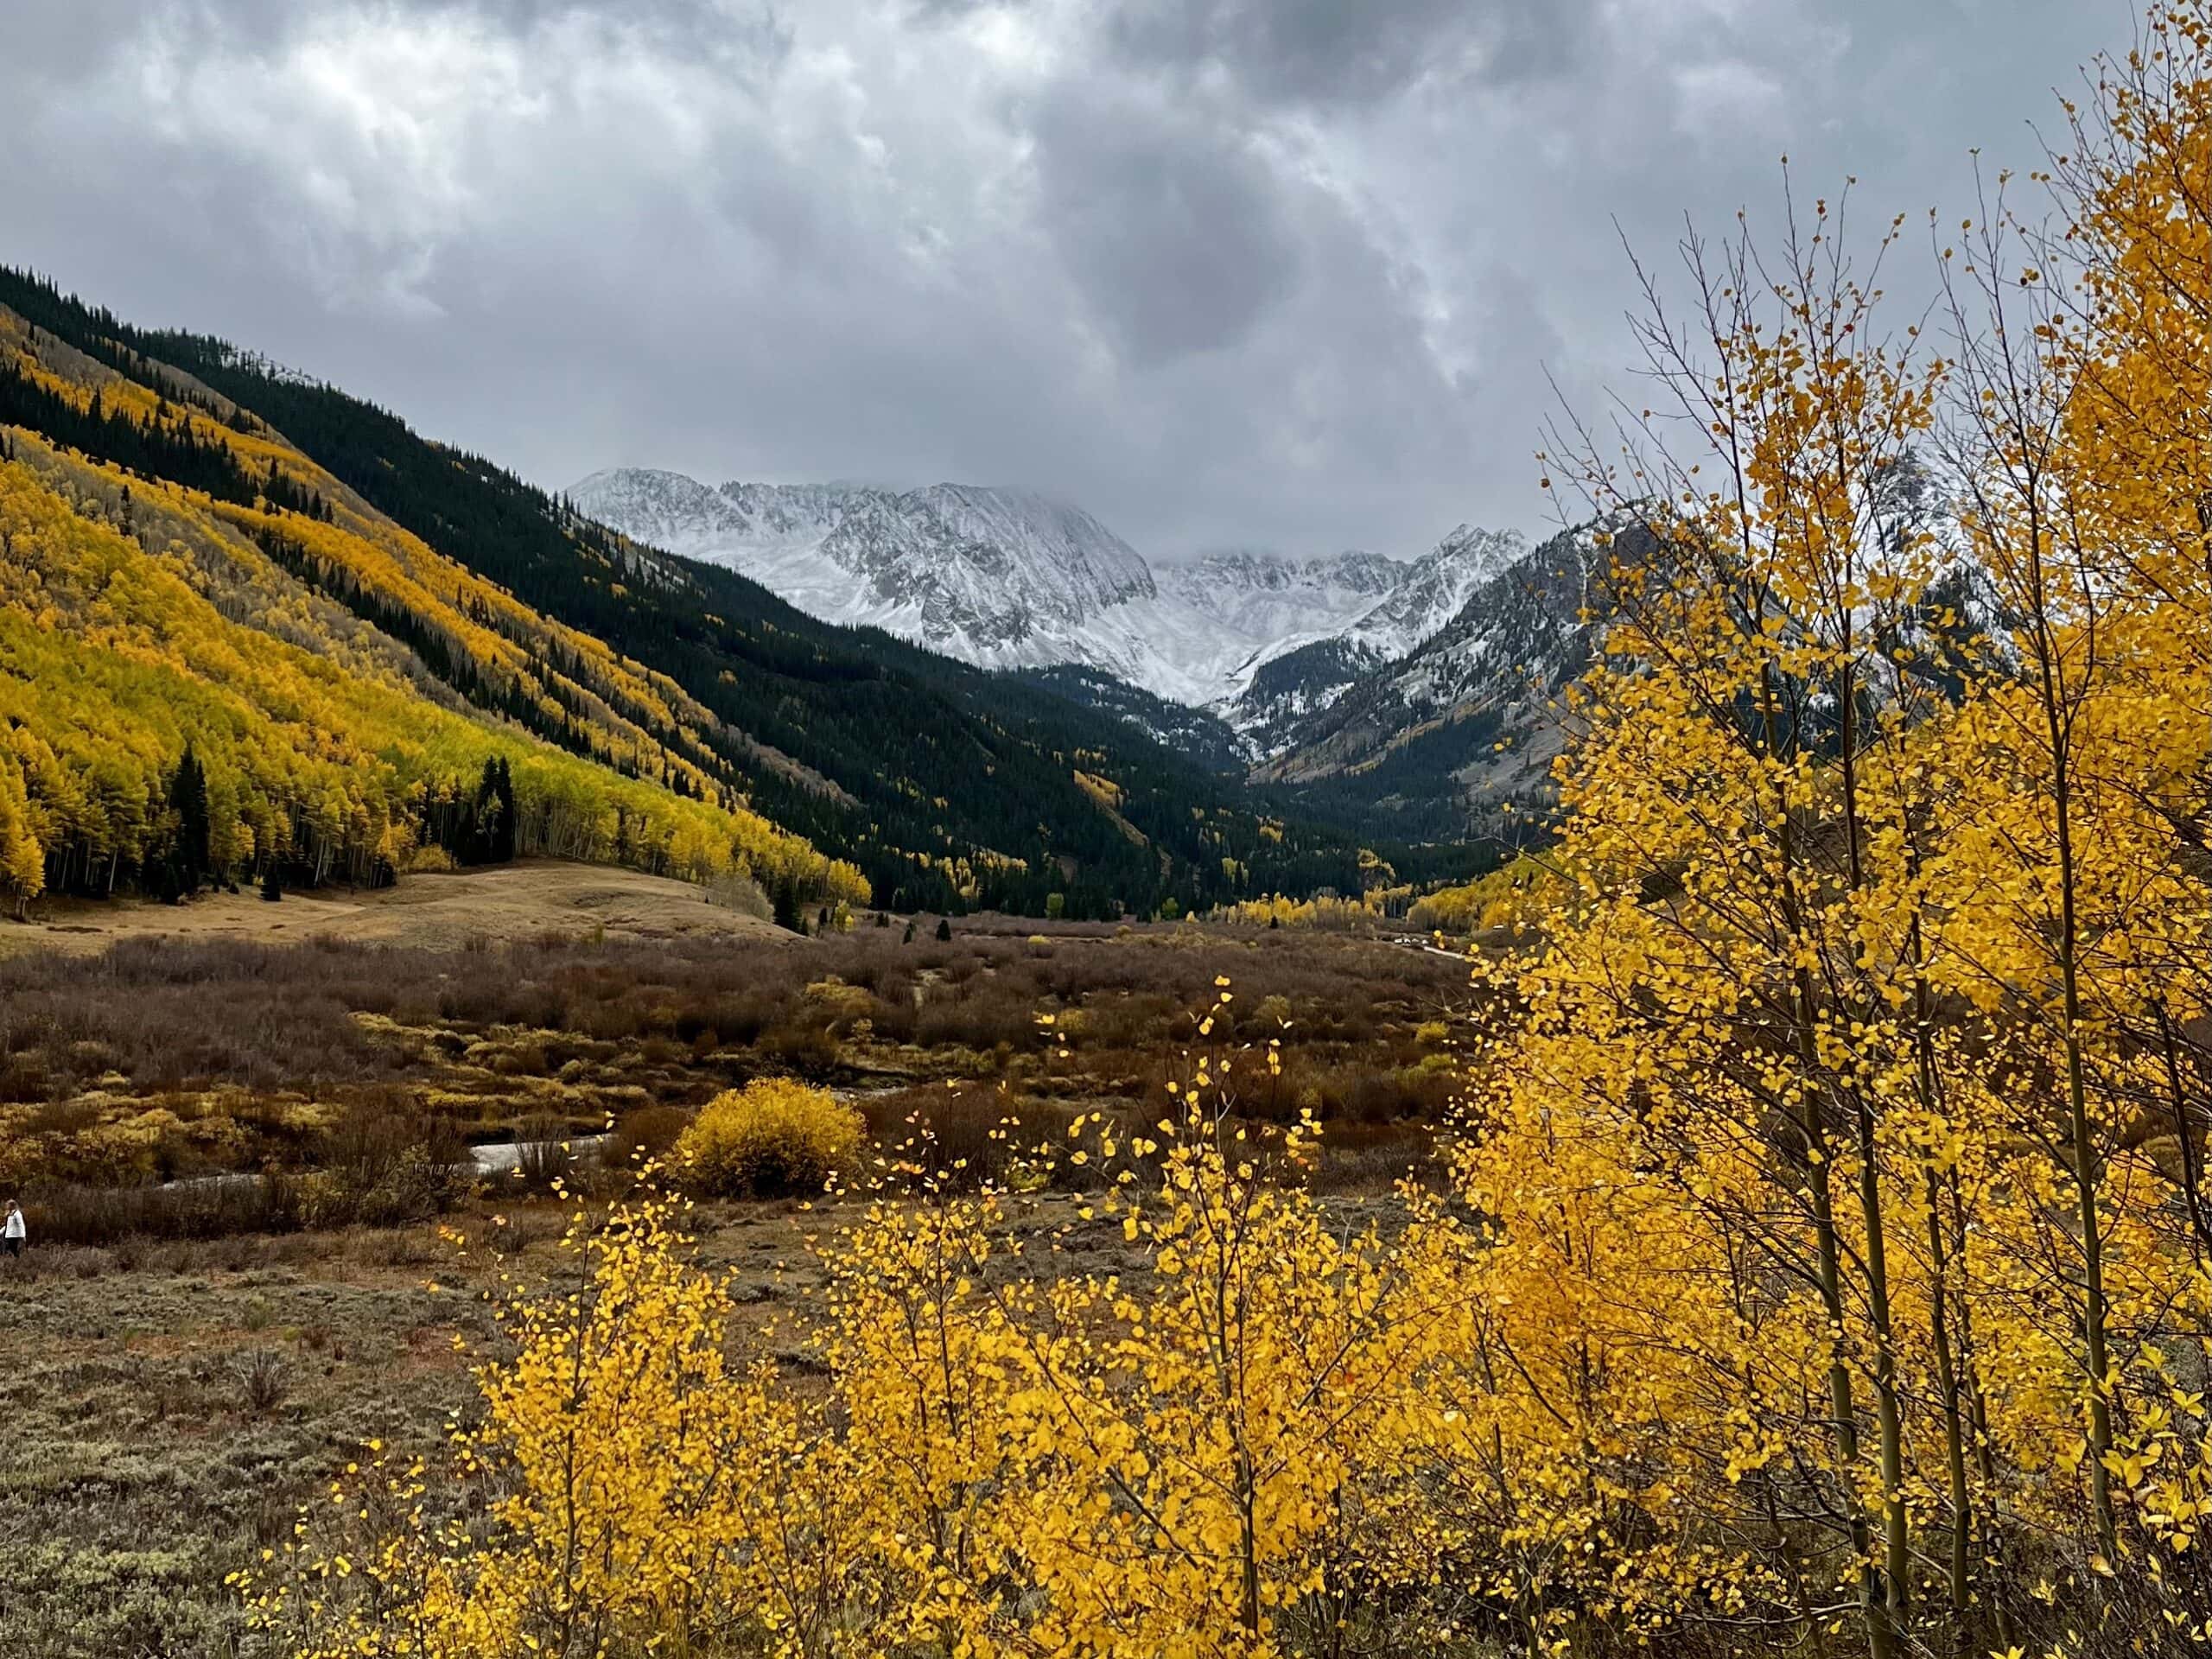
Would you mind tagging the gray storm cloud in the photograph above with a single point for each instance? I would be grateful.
(1286, 272)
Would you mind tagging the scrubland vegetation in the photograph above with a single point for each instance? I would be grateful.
(161, 1060)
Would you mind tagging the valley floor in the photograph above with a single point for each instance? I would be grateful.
(500, 903)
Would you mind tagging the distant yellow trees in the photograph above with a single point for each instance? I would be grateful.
(1326, 912)
(1520, 892)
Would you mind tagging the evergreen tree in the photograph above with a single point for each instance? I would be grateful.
(191, 855)
(495, 813)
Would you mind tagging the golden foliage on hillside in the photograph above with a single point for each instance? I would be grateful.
(117, 661)
(639, 720)
(145, 617)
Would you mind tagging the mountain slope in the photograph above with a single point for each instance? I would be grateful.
(1198, 734)
(947, 787)
(142, 621)
(1007, 579)
(1285, 691)
(1456, 738)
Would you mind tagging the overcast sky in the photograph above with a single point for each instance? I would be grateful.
(1283, 273)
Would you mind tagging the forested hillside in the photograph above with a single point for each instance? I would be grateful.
(189, 695)
(307, 516)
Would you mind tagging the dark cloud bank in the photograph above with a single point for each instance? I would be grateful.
(1285, 272)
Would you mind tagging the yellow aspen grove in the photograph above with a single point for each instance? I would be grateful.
(317, 749)
(1819, 1260)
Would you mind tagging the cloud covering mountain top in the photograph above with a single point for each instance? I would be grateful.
(1276, 272)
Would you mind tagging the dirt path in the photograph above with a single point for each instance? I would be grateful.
(514, 901)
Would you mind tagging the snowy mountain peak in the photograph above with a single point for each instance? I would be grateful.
(780, 511)
(1007, 578)
(665, 509)
(1433, 591)
(1254, 570)
(1027, 551)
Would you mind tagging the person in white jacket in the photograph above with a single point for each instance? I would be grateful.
(12, 1230)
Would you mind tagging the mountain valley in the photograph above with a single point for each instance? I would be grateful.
(1007, 579)
(1370, 690)
(360, 647)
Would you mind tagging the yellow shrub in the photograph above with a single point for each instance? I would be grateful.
(772, 1137)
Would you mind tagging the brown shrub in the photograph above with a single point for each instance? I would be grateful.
(645, 1133)
(956, 1135)
(544, 1153)
(197, 1210)
(802, 1046)
(386, 1162)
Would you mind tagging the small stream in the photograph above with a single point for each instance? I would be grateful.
(491, 1157)
(498, 1157)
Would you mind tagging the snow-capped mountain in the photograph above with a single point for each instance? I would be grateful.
(1456, 738)
(1262, 596)
(998, 576)
(1436, 588)
(1465, 726)
(1007, 579)
(1309, 672)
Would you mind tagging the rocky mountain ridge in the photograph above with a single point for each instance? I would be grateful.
(1009, 579)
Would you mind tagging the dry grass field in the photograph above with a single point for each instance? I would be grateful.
(500, 903)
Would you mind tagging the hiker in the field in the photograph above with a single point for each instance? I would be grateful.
(12, 1230)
